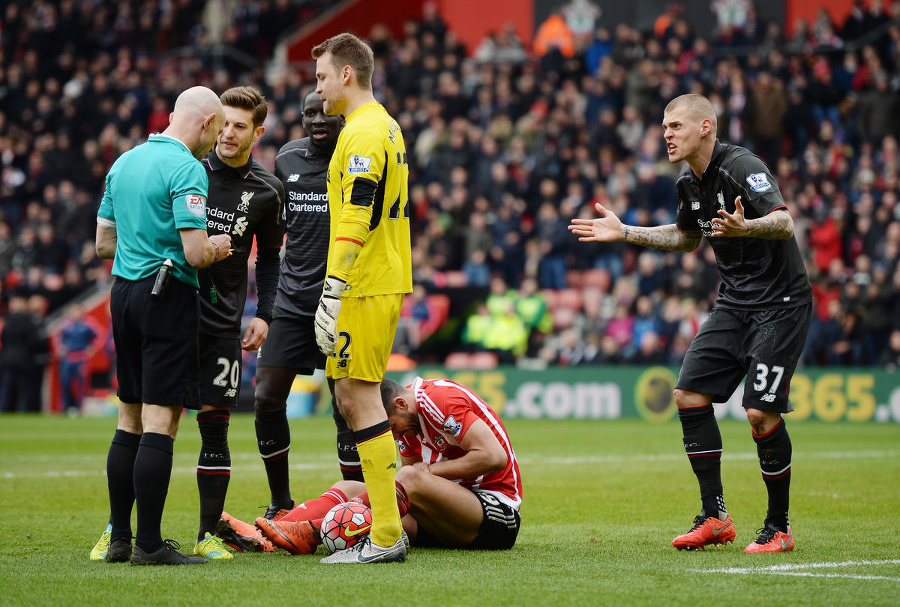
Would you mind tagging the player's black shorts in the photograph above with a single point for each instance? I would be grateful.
(763, 346)
(220, 370)
(498, 531)
(156, 343)
(291, 344)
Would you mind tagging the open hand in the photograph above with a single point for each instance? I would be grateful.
(606, 228)
(728, 224)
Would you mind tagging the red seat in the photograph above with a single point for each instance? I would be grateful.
(457, 360)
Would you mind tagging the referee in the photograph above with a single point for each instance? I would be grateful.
(153, 218)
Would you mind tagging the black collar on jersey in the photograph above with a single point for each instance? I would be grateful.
(718, 152)
(215, 163)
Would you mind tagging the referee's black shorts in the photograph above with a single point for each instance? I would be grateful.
(156, 343)
(762, 346)
(291, 344)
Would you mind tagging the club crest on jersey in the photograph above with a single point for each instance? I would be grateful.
(452, 426)
(196, 205)
(439, 442)
(721, 198)
(244, 205)
(759, 182)
(359, 164)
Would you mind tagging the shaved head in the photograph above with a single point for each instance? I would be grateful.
(697, 107)
(197, 120)
(198, 101)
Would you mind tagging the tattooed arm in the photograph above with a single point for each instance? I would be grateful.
(608, 228)
(777, 225)
(666, 238)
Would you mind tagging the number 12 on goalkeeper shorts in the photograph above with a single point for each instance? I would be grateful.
(341, 352)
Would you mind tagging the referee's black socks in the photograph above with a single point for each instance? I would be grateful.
(703, 445)
(120, 479)
(213, 468)
(152, 471)
(774, 450)
(273, 435)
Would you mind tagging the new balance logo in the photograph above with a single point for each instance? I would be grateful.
(769, 398)
(293, 177)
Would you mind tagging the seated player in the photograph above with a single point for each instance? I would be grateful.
(459, 486)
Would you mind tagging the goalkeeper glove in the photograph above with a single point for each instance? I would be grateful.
(327, 313)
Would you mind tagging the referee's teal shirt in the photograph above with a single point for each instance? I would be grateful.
(152, 191)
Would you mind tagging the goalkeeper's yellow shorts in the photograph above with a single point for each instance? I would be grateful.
(365, 328)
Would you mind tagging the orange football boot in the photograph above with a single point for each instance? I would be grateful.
(300, 537)
(242, 536)
(706, 532)
(772, 540)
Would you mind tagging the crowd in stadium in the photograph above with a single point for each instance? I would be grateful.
(507, 143)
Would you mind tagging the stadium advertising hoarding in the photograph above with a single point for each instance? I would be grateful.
(828, 395)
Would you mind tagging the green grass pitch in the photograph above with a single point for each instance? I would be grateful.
(603, 501)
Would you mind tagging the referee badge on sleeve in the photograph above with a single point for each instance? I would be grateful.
(196, 205)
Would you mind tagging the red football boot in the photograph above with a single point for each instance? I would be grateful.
(706, 532)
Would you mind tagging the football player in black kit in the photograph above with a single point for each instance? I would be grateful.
(245, 200)
(757, 328)
(301, 166)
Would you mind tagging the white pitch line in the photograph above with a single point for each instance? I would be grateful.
(796, 570)
(527, 460)
(600, 459)
(101, 471)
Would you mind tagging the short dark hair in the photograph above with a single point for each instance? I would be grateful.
(247, 98)
(347, 49)
(389, 391)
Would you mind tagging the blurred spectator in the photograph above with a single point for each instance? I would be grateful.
(22, 357)
(764, 115)
(531, 306)
(554, 35)
(76, 344)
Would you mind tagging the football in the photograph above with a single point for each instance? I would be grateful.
(345, 525)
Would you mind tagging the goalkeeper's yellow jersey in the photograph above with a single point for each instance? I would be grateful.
(368, 198)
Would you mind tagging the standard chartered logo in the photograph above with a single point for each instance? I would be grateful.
(307, 196)
(299, 202)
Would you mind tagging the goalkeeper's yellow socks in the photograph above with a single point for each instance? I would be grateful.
(378, 456)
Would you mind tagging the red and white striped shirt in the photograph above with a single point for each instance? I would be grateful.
(446, 410)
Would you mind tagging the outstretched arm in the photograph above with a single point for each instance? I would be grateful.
(777, 225)
(608, 228)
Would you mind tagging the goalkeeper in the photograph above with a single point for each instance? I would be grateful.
(459, 486)
(369, 270)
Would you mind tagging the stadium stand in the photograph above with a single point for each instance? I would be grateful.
(506, 145)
